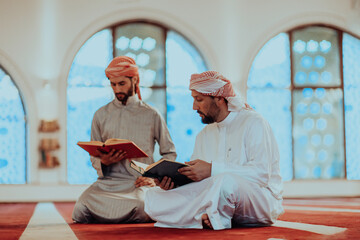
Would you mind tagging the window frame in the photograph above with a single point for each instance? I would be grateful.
(292, 87)
(26, 156)
(164, 87)
(340, 35)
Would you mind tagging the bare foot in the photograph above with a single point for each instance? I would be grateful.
(206, 221)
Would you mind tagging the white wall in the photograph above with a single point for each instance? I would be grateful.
(39, 39)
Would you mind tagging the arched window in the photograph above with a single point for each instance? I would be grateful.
(12, 133)
(306, 82)
(166, 60)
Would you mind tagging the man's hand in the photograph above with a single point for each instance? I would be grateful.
(165, 183)
(144, 181)
(111, 157)
(197, 171)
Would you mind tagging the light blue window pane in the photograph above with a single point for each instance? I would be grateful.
(12, 133)
(155, 98)
(268, 80)
(351, 61)
(277, 113)
(88, 90)
(183, 122)
(315, 55)
(318, 133)
(182, 60)
(143, 42)
(271, 67)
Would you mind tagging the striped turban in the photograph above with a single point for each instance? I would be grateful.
(123, 66)
(214, 84)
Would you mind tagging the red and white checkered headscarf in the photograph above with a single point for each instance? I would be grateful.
(123, 66)
(212, 83)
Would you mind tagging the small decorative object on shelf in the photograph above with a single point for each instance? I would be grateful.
(49, 126)
(48, 144)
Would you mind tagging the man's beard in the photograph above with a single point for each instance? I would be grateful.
(206, 119)
(213, 112)
(123, 97)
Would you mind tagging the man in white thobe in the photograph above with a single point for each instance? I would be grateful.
(118, 194)
(235, 166)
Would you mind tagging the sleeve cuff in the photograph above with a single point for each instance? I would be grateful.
(98, 166)
(217, 168)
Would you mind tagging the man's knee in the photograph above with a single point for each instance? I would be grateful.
(233, 187)
(138, 215)
(227, 182)
(81, 214)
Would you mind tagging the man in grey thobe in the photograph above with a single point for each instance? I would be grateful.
(118, 194)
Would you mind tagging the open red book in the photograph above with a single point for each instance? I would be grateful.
(132, 150)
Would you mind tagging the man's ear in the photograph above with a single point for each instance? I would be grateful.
(219, 100)
(135, 79)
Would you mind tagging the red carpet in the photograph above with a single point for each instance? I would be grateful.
(338, 213)
(148, 231)
(348, 220)
(14, 218)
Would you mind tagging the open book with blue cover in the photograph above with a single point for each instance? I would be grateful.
(162, 168)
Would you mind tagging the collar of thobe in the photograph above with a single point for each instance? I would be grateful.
(227, 120)
(132, 100)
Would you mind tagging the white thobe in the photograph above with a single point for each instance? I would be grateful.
(245, 186)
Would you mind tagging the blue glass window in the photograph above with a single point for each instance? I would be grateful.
(165, 59)
(88, 89)
(184, 124)
(313, 115)
(351, 60)
(12, 133)
(269, 94)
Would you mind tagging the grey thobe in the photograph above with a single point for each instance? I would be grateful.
(113, 198)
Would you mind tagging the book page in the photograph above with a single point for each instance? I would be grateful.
(141, 165)
(112, 141)
(93, 143)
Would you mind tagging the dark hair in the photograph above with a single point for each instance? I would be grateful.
(226, 101)
(131, 79)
